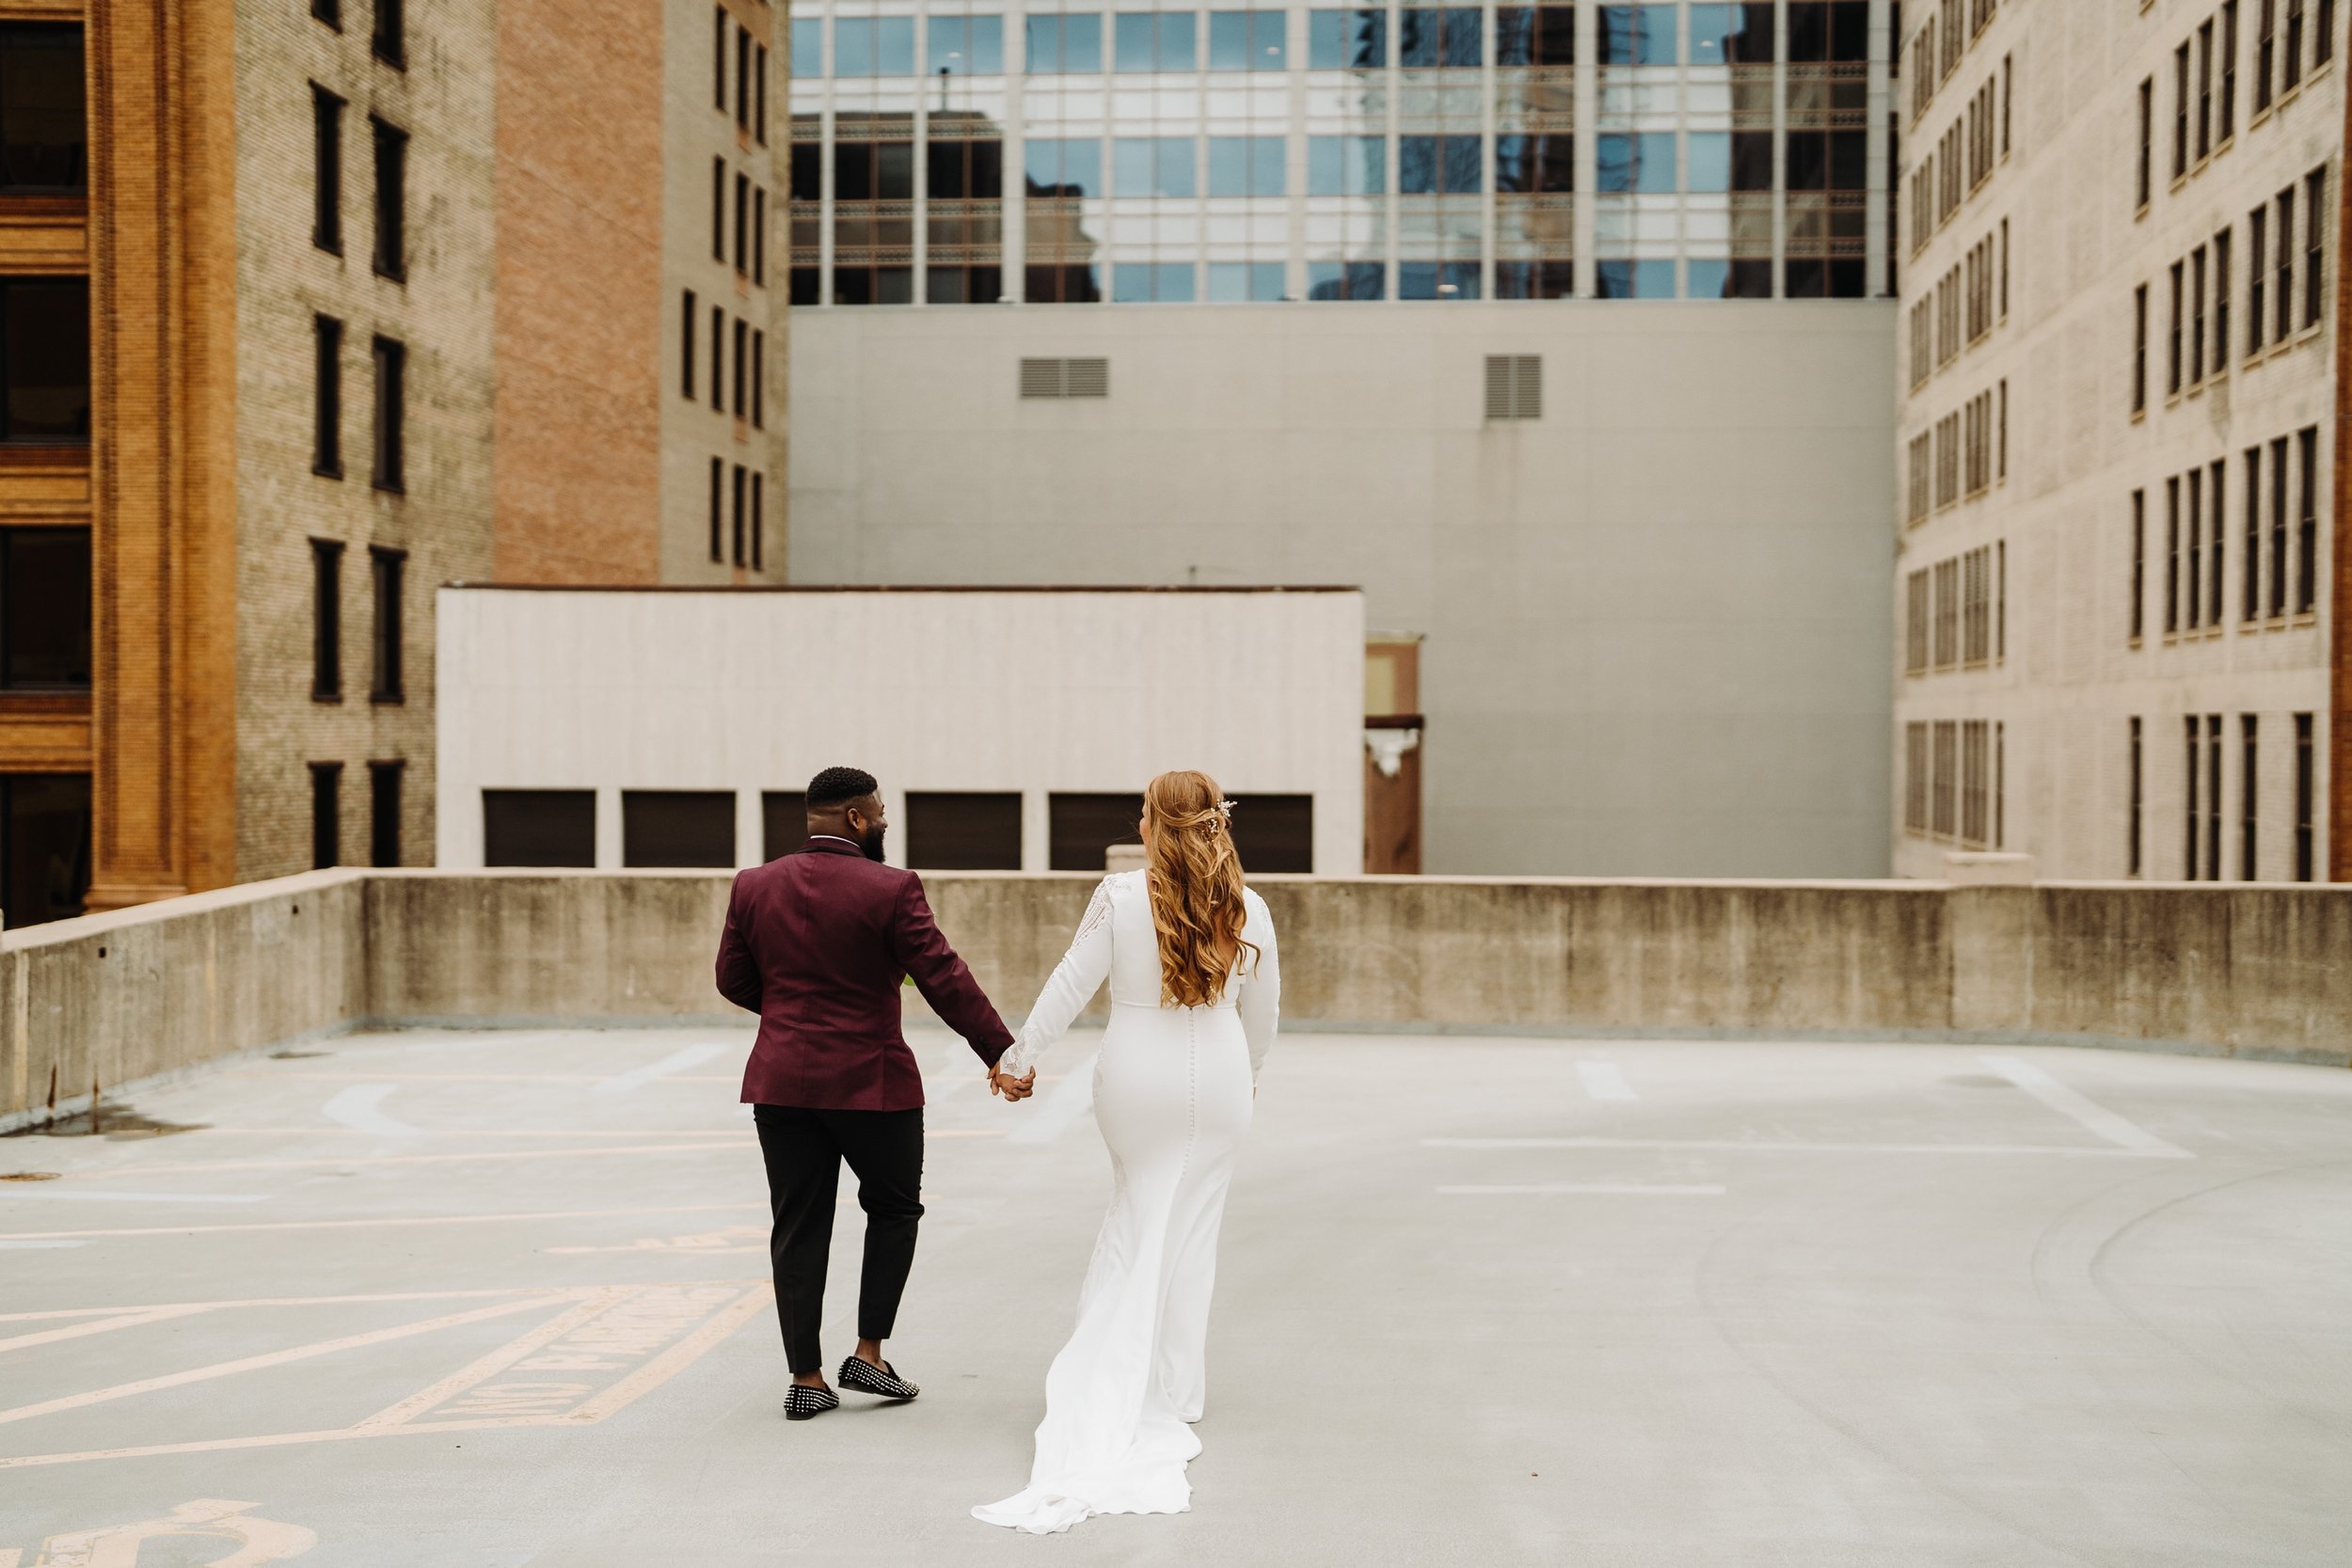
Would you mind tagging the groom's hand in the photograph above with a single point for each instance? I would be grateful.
(1012, 1089)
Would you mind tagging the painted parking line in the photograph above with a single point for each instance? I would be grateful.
(1060, 1108)
(1783, 1146)
(1588, 1189)
(41, 1236)
(76, 1195)
(1605, 1081)
(676, 1062)
(2086, 1112)
(36, 1244)
(361, 1109)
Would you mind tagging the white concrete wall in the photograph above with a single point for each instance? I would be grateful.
(1657, 617)
(1039, 692)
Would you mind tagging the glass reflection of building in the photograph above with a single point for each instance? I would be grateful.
(1399, 151)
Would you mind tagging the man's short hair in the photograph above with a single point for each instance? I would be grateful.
(836, 785)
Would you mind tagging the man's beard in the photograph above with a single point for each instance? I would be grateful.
(872, 842)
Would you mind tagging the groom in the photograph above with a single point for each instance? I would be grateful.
(818, 943)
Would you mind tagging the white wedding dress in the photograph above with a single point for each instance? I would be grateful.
(1172, 1094)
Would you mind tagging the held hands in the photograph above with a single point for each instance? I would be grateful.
(1013, 1089)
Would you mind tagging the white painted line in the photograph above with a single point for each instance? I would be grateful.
(1059, 1110)
(2093, 1116)
(45, 1243)
(361, 1107)
(1605, 1081)
(676, 1061)
(1586, 1189)
(78, 1195)
(1764, 1145)
(41, 1236)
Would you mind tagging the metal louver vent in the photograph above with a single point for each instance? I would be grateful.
(1065, 378)
(1515, 387)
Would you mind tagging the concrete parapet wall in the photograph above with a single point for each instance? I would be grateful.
(2256, 971)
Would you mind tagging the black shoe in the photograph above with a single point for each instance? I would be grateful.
(885, 1380)
(800, 1403)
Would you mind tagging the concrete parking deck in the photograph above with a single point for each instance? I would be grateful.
(443, 1300)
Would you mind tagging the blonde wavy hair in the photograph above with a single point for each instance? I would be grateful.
(1195, 876)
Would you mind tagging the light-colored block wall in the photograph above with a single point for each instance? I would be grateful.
(1035, 692)
(2072, 680)
(444, 99)
(1657, 618)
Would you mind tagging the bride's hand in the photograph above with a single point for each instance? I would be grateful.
(1013, 1089)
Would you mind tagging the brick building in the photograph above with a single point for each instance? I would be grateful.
(306, 306)
(2122, 577)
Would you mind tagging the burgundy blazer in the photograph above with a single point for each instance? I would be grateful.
(817, 943)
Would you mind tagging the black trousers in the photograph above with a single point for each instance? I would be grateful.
(804, 1150)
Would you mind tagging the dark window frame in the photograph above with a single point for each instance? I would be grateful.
(328, 11)
(388, 471)
(691, 326)
(327, 403)
(648, 814)
(388, 40)
(718, 509)
(505, 819)
(391, 143)
(327, 814)
(326, 620)
(388, 570)
(326, 170)
(384, 792)
(72, 671)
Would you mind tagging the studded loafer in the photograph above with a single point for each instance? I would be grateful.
(885, 1380)
(800, 1403)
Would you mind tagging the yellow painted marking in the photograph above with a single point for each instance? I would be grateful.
(381, 1220)
(497, 1361)
(276, 1358)
(732, 1238)
(258, 1540)
(127, 1320)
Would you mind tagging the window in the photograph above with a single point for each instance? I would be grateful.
(2138, 789)
(719, 209)
(2251, 573)
(2009, 93)
(326, 620)
(327, 170)
(326, 412)
(678, 827)
(2257, 276)
(326, 824)
(1143, 282)
(2180, 112)
(759, 508)
(719, 58)
(1346, 280)
(1942, 815)
(783, 822)
(742, 225)
(718, 358)
(760, 380)
(2229, 72)
(1515, 387)
(45, 359)
(1068, 44)
(2004, 269)
(2204, 91)
(687, 326)
(2140, 349)
(391, 373)
(1946, 638)
(539, 827)
(2307, 525)
(2147, 134)
(1359, 39)
(2323, 34)
(1276, 832)
(2174, 345)
(1153, 166)
(1233, 282)
(2212, 798)
(2214, 545)
(2285, 290)
(743, 78)
(1545, 35)
(44, 853)
(391, 165)
(44, 135)
(2188, 801)
(1638, 35)
(963, 832)
(737, 489)
(1246, 166)
(383, 812)
(759, 93)
(2193, 554)
(1916, 776)
(974, 46)
(742, 360)
(2304, 793)
(2248, 796)
(2172, 556)
(1428, 36)
(759, 235)
(885, 45)
(2279, 527)
(1082, 827)
(2290, 54)
(2222, 284)
(2314, 248)
(2140, 563)
(45, 608)
(1973, 765)
(328, 11)
(1152, 41)
(2266, 55)
(1916, 615)
(388, 567)
(388, 42)
(1065, 378)
(2197, 318)
(717, 519)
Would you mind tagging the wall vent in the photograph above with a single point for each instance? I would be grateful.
(1515, 387)
(1065, 378)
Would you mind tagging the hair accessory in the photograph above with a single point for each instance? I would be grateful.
(1225, 809)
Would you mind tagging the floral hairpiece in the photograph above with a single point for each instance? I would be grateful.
(1225, 809)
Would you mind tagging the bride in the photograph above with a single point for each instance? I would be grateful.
(1195, 988)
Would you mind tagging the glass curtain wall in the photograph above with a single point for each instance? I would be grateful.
(948, 153)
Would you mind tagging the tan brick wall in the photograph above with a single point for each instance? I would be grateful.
(578, 286)
(444, 99)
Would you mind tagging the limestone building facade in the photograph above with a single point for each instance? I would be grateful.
(306, 307)
(2121, 563)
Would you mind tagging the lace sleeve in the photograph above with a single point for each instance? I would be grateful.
(1076, 979)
